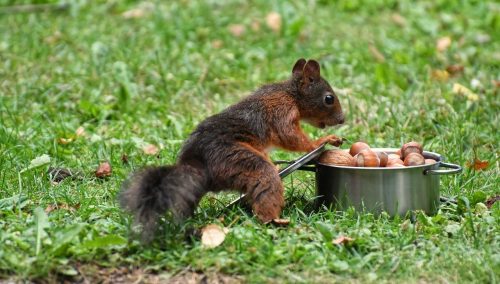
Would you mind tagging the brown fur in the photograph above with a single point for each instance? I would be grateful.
(229, 150)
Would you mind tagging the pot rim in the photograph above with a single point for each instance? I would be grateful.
(427, 154)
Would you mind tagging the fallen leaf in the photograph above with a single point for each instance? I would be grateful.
(37, 162)
(104, 170)
(490, 201)
(455, 69)
(440, 75)
(237, 30)
(255, 26)
(133, 13)
(55, 37)
(376, 53)
(462, 90)
(405, 225)
(124, 159)
(478, 165)
(64, 141)
(281, 222)
(443, 43)
(142, 10)
(273, 21)
(342, 240)
(398, 19)
(61, 206)
(217, 43)
(150, 149)
(50, 208)
(80, 131)
(496, 83)
(213, 235)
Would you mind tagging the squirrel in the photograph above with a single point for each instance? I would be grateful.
(229, 151)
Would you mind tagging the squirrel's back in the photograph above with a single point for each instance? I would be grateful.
(247, 121)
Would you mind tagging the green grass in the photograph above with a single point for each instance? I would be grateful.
(152, 79)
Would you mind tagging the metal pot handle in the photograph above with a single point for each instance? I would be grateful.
(300, 162)
(294, 165)
(455, 169)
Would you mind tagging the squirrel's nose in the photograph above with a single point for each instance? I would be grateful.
(341, 120)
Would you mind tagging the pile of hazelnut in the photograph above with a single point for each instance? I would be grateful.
(361, 155)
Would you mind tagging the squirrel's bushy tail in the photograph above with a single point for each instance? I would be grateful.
(153, 191)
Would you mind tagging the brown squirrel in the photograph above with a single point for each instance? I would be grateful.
(229, 150)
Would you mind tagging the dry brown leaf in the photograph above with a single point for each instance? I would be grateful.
(237, 30)
(50, 208)
(455, 69)
(440, 75)
(478, 165)
(398, 19)
(59, 206)
(150, 149)
(342, 240)
(255, 26)
(496, 83)
(273, 21)
(55, 37)
(124, 159)
(134, 13)
(213, 235)
(489, 203)
(143, 9)
(376, 53)
(443, 43)
(281, 222)
(462, 90)
(217, 43)
(104, 170)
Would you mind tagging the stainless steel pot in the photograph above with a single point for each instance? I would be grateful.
(394, 190)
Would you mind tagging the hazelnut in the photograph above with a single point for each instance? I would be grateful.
(383, 157)
(367, 158)
(414, 159)
(395, 163)
(337, 157)
(358, 147)
(411, 147)
(430, 161)
(394, 156)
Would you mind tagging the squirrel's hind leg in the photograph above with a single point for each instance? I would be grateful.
(267, 198)
(257, 177)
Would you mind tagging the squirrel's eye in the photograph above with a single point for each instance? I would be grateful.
(329, 99)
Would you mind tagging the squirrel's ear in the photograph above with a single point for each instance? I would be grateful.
(298, 67)
(312, 70)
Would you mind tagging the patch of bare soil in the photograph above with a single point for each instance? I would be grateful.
(94, 274)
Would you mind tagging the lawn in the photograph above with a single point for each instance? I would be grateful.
(126, 82)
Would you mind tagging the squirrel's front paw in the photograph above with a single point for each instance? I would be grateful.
(333, 140)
